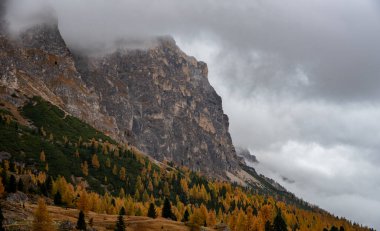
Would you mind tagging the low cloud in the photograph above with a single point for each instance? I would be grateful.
(330, 151)
(333, 178)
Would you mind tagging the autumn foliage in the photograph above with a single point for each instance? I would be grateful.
(42, 220)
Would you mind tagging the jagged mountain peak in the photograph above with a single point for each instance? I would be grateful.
(45, 37)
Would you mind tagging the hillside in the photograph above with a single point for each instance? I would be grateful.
(23, 218)
(52, 153)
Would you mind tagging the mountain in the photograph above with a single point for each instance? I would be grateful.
(158, 99)
(162, 102)
(126, 129)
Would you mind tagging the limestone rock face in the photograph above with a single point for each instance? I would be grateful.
(158, 99)
(39, 63)
(164, 104)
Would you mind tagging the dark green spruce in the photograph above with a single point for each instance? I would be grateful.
(152, 211)
(120, 225)
(81, 224)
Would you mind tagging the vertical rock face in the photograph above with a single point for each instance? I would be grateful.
(157, 99)
(163, 103)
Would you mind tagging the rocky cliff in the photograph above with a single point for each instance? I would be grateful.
(158, 99)
(163, 103)
(39, 63)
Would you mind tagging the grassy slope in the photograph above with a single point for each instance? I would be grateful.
(24, 216)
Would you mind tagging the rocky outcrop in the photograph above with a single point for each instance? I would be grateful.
(246, 155)
(39, 63)
(163, 103)
(158, 99)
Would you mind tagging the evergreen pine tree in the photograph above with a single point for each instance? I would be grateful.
(152, 211)
(279, 223)
(13, 167)
(268, 226)
(43, 189)
(255, 212)
(122, 211)
(12, 184)
(186, 216)
(1, 220)
(167, 209)
(20, 185)
(120, 225)
(49, 184)
(58, 198)
(81, 224)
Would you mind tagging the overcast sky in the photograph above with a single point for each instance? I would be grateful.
(299, 80)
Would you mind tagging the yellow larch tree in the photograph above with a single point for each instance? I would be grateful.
(211, 219)
(42, 156)
(108, 163)
(241, 221)
(139, 184)
(266, 212)
(84, 167)
(122, 174)
(76, 154)
(150, 186)
(83, 202)
(114, 170)
(184, 186)
(42, 220)
(196, 217)
(166, 189)
(95, 161)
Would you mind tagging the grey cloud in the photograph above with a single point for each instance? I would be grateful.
(333, 43)
(329, 150)
(328, 177)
